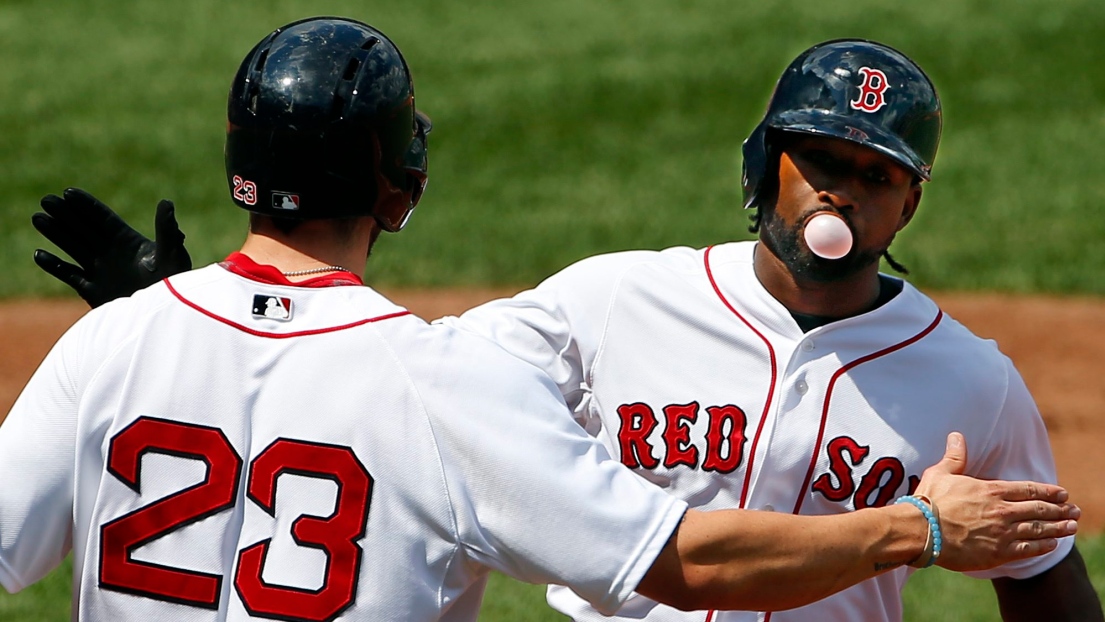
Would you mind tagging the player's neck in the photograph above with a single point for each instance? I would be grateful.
(311, 246)
(847, 297)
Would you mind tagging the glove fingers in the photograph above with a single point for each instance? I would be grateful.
(167, 232)
(77, 208)
(63, 271)
(65, 237)
(62, 212)
(90, 206)
(172, 257)
(89, 217)
(99, 214)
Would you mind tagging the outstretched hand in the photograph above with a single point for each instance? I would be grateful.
(112, 259)
(988, 523)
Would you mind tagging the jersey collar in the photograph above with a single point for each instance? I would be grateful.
(244, 266)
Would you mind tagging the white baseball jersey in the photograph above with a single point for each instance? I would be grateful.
(693, 375)
(227, 446)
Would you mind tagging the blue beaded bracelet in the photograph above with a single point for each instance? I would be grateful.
(935, 542)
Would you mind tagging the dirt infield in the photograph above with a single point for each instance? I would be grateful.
(1056, 342)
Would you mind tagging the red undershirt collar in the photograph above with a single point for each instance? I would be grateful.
(244, 266)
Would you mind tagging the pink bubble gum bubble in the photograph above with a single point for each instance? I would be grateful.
(828, 236)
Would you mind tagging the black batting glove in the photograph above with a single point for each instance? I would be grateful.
(112, 259)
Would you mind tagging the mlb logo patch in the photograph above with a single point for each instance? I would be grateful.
(285, 201)
(272, 307)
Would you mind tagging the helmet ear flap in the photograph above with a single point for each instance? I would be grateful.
(754, 165)
(393, 211)
(415, 162)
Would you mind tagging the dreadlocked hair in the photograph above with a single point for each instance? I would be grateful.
(755, 217)
(899, 268)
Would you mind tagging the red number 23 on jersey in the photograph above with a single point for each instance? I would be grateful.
(335, 535)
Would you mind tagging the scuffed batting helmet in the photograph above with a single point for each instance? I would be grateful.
(853, 89)
(322, 124)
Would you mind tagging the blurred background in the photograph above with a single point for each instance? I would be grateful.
(568, 128)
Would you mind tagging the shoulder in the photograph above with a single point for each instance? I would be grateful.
(947, 330)
(975, 367)
(582, 293)
(460, 369)
(116, 322)
(963, 343)
(609, 267)
(596, 280)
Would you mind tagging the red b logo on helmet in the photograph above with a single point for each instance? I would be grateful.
(871, 91)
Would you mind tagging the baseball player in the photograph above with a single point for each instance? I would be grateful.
(788, 374)
(411, 458)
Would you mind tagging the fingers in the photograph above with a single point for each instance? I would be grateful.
(65, 272)
(167, 232)
(1030, 491)
(75, 223)
(1042, 529)
(1003, 541)
(955, 455)
(1023, 549)
(89, 206)
(53, 204)
(76, 208)
(84, 214)
(171, 256)
(1040, 511)
(64, 235)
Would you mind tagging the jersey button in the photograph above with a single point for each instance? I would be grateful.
(808, 345)
(801, 387)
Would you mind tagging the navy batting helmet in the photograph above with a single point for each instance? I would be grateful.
(853, 89)
(322, 124)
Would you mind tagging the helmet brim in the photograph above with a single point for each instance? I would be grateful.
(854, 129)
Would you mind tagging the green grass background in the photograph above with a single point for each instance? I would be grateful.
(568, 128)
(573, 127)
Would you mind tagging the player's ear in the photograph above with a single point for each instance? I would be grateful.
(913, 199)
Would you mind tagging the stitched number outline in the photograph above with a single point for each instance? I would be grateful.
(335, 535)
(245, 190)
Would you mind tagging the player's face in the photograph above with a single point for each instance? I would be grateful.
(874, 195)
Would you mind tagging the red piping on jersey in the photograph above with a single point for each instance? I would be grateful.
(770, 389)
(825, 407)
(829, 396)
(302, 333)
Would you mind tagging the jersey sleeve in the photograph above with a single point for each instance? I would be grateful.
(37, 447)
(534, 496)
(558, 325)
(1019, 449)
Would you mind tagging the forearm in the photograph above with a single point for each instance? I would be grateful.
(767, 561)
(739, 559)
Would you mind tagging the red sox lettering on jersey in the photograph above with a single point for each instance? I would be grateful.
(721, 450)
(699, 380)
